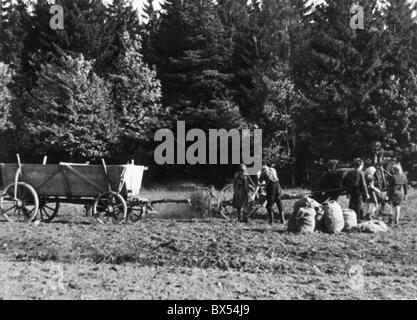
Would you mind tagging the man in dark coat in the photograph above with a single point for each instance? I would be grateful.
(380, 180)
(241, 193)
(356, 188)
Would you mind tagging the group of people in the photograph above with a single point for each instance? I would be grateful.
(364, 188)
(241, 188)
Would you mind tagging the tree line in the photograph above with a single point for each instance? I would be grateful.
(105, 83)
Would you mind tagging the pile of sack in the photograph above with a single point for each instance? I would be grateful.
(303, 218)
(309, 216)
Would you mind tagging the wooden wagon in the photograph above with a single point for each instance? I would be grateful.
(36, 190)
(225, 201)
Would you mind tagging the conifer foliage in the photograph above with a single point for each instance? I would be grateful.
(104, 84)
(345, 72)
(136, 95)
(5, 96)
(193, 61)
(70, 111)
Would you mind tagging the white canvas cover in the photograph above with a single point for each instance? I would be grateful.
(133, 179)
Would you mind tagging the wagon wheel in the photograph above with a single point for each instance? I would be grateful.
(259, 204)
(48, 211)
(136, 213)
(225, 201)
(256, 210)
(110, 208)
(22, 209)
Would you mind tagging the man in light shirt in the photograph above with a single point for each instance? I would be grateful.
(273, 191)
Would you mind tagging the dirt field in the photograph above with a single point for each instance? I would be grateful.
(178, 256)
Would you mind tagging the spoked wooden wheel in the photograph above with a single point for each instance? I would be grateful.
(258, 210)
(24, 207)
(225, 201)
(259, 205)
(47, 211)
(110, 208)
(136, 213)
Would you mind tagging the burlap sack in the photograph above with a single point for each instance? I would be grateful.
(351, 220)
(373, 226)
(333, 217)
(303, 216)
(306, 202)
(305, 221)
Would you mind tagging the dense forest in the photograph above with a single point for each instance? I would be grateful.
(102, 86)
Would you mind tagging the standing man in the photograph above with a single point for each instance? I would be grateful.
(380, 181)
(241, 193)
(356, 188)
(273, 191)
(397, 191)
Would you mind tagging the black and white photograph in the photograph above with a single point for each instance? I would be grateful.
(186, 151)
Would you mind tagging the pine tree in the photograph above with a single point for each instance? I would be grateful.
(149, 30)
(5, 96)
(136, 95)
(280, 115)
(238, 20)
(6, 125)
(14, 24)
(234, 15)
(149, 11)
(5, 9)
(69, 111)
(121, 17)
(194, 54)
(265, 90)
(341, 73)
(83, 33)
(397, 98)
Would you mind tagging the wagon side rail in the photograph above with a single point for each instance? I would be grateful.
(82, 177)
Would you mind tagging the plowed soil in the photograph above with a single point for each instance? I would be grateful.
(176, 255)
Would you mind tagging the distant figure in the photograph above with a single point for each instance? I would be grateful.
(201, 201)
(355, 186)
(380, 182)
(397, 191)
(330, 186)
(273, 191)
(241, 193)
(374, 192)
